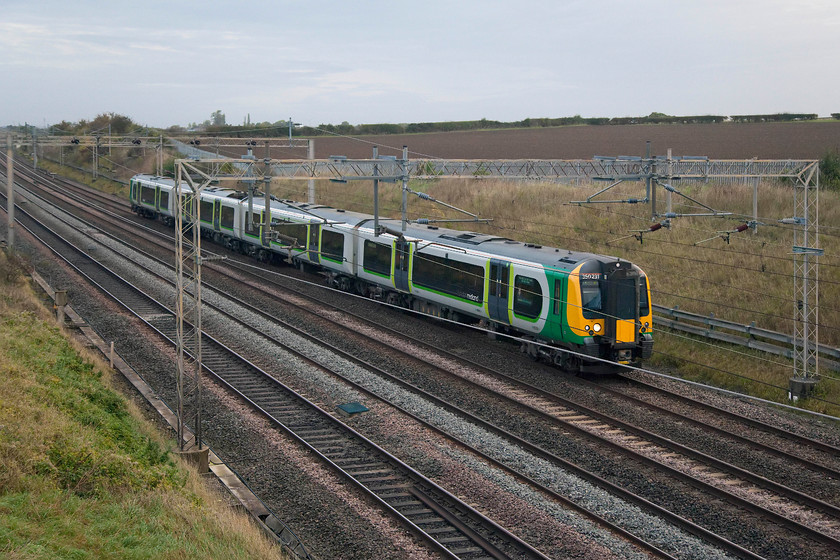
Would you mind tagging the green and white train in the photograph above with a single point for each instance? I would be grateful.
(582, 311)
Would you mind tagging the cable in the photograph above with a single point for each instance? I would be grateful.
(737, 288)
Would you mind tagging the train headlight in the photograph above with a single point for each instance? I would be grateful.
(597, 328)
(647, 325)
(587, 328)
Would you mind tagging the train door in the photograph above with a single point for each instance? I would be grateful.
(621, 304)
(314, 242)
(253, 226)
(217, 213)
(403, 249)
(497, 298)
(157, 199)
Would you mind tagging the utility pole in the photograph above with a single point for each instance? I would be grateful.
(404, 169)
(311, 183)
(34, 148)
(10, 195)
(375, 192)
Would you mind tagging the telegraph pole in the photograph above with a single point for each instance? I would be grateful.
(10, 195)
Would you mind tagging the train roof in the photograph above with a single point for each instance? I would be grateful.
(551, 257)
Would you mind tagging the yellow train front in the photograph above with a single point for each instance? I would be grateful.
(605, 317)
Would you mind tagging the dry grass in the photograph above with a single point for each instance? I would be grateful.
(81, 475)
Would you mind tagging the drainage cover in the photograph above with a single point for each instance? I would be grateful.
(352, 408)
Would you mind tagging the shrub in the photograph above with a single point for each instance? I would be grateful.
(830, 170)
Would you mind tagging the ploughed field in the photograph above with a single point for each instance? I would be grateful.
(777, 140)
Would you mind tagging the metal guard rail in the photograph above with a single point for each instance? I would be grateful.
(705, 325)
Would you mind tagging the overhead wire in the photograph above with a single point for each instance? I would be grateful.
(739, 288)
(672, 242)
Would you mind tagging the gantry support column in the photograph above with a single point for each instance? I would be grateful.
(188, 305)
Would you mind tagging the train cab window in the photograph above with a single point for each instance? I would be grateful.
(332, 245)
(591, 300)
(227, 217)
(527, 297)
(644, 305)
(377, 258)
(164, 199)
(133, 195)
(206, 211)
(147, 195)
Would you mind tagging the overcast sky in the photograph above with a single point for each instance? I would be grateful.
(174, 62)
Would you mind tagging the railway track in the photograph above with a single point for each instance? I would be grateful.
(572, 417)
(449, 525)
(211, 360)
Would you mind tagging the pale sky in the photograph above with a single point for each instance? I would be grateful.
(175, 62)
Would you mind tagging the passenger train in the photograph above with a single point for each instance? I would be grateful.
(584, 312)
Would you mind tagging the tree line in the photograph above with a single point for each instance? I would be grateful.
(120, 124)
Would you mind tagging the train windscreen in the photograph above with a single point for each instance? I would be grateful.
(590, 291)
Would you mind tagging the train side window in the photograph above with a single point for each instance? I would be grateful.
(164, 200)
(227, 217)
(449, 276)
(377, 258)
(206, 209)
(558, 295)
(252, 230)
(294, 231)
(147, 195)
(527, 297)
(332, 245)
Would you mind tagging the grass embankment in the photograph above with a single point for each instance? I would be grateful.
(81, 474)
(749, 279)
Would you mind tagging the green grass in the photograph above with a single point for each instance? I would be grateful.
(81, 475)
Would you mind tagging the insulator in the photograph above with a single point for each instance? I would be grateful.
(741, 228)
(423, 221)
(655, 227)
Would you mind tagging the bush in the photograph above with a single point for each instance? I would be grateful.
(830, 170)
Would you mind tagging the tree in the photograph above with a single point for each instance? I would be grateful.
(217, 118)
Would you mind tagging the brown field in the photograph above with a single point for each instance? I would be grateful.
(791, 140)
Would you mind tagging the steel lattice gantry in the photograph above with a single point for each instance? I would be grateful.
(200, 171)
(188, 303)
(806, 253)
(551, 170)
